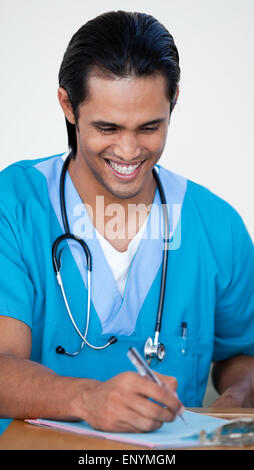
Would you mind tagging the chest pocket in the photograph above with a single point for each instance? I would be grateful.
(188, 360)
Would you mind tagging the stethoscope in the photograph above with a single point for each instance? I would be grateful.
(153, 348)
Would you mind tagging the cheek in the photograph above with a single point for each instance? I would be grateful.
(96, 144)
(153, 143)
(93, 145)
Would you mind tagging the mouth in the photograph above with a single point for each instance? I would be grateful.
(125, 171)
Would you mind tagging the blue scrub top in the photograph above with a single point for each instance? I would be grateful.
(209, 283)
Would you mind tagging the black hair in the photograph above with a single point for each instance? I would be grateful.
(119, 44)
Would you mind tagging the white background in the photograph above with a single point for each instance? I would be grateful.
(210, 138)
(211, 133)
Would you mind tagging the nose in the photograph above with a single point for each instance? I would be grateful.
(127, 147)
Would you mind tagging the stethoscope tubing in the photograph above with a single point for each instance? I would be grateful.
(165, 253)
(67, 235)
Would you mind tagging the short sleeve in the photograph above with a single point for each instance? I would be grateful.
(234, 316)
(16, 287)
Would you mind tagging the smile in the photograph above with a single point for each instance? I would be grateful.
(124, 169)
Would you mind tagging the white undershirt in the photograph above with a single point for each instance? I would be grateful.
(119, 262)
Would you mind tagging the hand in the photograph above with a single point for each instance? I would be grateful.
(121, 404)
(233, 397)
(235, 378)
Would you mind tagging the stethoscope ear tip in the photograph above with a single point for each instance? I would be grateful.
(60, 350)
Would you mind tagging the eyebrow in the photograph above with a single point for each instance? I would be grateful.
(112, 124)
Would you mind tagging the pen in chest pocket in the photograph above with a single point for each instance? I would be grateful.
(183, 337)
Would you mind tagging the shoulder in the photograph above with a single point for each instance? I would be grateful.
(220, 225)
(204, 201)
(205, 213)
(212, 208)
(23, 180)
(24, 168)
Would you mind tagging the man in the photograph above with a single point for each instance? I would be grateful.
(118, 85)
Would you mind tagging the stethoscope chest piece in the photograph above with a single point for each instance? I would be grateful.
(154, 350)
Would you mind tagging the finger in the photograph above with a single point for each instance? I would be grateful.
(162, 395)
(135, 422)
(151, 410)
(134, 383)
(181, 410)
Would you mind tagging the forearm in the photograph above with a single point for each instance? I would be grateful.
(235, 375)
(120, 404)
(31, 390)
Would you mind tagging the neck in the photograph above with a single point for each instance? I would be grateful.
(97, 198)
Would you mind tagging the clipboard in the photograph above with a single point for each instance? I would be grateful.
(170, 436)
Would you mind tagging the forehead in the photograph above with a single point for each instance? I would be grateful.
(119, 98)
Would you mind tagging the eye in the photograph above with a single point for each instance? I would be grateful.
(110, 130)
(106, 130)
(150, 129)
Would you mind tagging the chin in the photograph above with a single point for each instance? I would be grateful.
(122, 190)
(123, 194)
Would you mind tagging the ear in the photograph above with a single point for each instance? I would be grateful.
(175, 98)
(174, 101)
(177, 94)
(65, 104)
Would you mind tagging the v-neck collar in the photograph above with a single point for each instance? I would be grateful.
(117, 314)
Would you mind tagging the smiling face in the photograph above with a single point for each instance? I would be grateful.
(122, 132)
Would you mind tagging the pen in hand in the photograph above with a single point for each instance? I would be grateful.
(144, 370)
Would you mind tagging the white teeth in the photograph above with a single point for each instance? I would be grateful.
(124, 169)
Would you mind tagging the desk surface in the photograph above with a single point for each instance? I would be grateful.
(21, 435)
